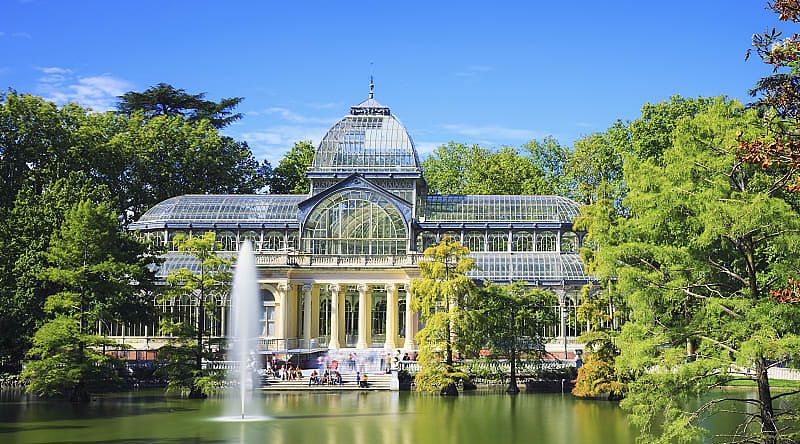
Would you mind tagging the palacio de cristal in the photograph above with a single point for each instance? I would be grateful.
(335, 265)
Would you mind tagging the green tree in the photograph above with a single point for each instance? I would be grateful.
(460, 169)
(167, 156)
(706, 240)
(552, 159)
(446, 170)
(205, 287)
(513, 319)
(164, 99)
(595, 167)
(442, 295)
(289, 177)
(101, 274)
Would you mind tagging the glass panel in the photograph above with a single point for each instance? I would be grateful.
(523, 241)
(545, 241)
(499, 209)
(355, 222)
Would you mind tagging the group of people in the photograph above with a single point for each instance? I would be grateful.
(284, 370)
(328, 377)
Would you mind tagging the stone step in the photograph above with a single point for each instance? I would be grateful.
(376, 382)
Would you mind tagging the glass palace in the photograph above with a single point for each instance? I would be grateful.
(335, 265)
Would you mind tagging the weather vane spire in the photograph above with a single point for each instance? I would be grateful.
(371, 83)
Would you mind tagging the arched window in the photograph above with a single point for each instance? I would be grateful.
(453, 235)
(253, 237)
(474, 240)
(401, 315)
(227, 241)
(291, 241)
(324, 312)
(569, 242)
(351, 315)
(355, 222)
(273, 241)
(378, 311)
(425, 239)
(523, 241)
(545, 241)
(268, 313)
(498, 241)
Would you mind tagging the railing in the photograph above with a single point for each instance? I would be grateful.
(269, 344)
(497, 366)
(307, 260)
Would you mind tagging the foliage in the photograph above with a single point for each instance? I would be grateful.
(101, 274)
(442, 295)
(456, 168)
(512, 319)
(164, 99)
(206, 289)
(705, 239)
(289, 177)
(52, 157)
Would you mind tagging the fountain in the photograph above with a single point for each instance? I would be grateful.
(244, 319)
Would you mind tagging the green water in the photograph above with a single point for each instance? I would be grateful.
(322, 418)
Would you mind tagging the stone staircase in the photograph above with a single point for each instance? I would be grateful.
(377, 382)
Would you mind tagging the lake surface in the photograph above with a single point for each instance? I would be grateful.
(319, 418)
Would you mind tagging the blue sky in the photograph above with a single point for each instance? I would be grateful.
(494, 73)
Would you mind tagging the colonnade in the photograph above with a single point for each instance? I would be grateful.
(298, 308)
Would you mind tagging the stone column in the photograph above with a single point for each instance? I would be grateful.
(364, 316)
(335, 289)
(391, 317)
(411, 328)
(307, 314)
(315, 310)
(282, 329)
(562, 303)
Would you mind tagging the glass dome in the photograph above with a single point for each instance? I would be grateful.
(369, 139)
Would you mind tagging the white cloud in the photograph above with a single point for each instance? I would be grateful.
(2, 33)
(21, 35)
(272, 142)
(288, 115)
(426, 148)
(327, 105)
(62, 85)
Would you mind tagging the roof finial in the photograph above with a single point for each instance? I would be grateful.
(371, 83)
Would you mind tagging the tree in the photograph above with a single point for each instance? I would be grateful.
(166, 156)
(102, 274)
(164, 99)
(512, 319)
(460, 169)
(442, 295)
(289, 177)
(706, 239)
(205, 288)
(595, 167)
(552, 159)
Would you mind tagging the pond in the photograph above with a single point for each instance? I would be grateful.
(320, 418)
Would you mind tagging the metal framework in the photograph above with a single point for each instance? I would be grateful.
(200, 208)
(499, 209)
(366, 143)
(357, 222)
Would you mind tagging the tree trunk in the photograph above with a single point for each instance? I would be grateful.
(769, 429)
(513, 389)
(196, 392)
(79, 393)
